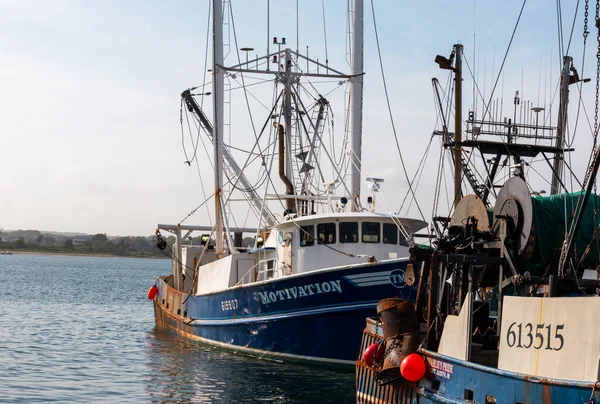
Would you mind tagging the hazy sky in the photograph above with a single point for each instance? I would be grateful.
(89, 95)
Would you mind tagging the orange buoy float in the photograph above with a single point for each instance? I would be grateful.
(152, 292)
(372, 353)
(413, 367)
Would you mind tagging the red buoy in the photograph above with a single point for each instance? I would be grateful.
(372, 353)
(152, 292)
(413, 367)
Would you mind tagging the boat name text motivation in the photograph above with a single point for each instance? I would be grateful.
(299, 291)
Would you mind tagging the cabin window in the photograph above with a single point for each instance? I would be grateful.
(390, 233)
(348, 232)
(371, 232)
(326, 233)
(307, 235)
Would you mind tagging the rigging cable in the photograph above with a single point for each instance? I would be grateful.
(561, 41)
(187, 159)
(208, 25)
(244, 87)
(422, 170)
(243, 80)
(504, 59)
(573, 27)
(325, 33)
(475, 85)
(198, 140)
(421, 165)
(569, 143)
(321, 141)
(391, 115)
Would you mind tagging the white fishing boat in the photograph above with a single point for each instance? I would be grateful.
(314, 272)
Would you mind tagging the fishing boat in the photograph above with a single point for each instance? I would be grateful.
(507, 307)
(321, 265)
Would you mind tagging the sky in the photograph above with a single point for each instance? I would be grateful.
(90, 134)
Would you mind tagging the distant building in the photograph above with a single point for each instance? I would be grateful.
(78, 241)
(48, 241)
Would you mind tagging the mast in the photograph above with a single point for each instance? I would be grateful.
(287, 156)
(562, 122)
(457, 123)
(356, 100)
(218, 88)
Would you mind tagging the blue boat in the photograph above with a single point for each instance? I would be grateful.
(450, 380)
(297, 318)
(507, 308)
(323, 263)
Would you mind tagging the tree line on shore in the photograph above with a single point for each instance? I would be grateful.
(36, 241)
(77, 243)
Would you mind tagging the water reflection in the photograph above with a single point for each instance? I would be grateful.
(188, 371)
(80, 329)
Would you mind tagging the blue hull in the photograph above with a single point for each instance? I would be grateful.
(318, 316)
(486, 383)
(455, 381)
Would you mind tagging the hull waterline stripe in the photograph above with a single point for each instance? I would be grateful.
(370, 278)
(246, 320)
(373, 283)
(358, 277)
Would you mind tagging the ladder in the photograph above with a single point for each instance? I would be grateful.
(476, 186)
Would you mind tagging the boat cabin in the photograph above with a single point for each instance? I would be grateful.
(299, 245)
(331, 240)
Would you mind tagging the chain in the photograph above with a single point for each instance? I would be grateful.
(563, 255)
(597, 89)
(590, 168)
(585, 22)
(589, 171)
(597, 72)
(596, 119)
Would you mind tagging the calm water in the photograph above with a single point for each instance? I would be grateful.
(81, 329)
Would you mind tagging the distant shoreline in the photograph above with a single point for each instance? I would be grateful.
(96, 255)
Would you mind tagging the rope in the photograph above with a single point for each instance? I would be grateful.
(187, 159)
(421, 167)
(199, 139)
(387, 98)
